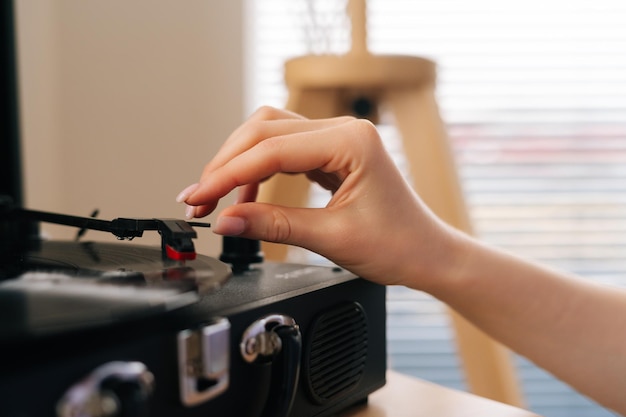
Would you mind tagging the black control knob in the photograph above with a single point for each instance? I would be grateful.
(241, 252)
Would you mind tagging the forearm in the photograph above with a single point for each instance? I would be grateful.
(571, 327)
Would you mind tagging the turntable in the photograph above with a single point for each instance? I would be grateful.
(118, 329)
(95, 329)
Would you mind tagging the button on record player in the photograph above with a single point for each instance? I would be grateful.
(119, 329)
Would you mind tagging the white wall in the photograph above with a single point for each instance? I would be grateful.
(124, 102)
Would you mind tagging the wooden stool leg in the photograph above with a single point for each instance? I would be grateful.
(487, 364)
(316, 103)
(293, 190)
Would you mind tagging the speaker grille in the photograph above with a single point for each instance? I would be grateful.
(337, 351)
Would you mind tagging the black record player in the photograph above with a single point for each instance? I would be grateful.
(120, 329)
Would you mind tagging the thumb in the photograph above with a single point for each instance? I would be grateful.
(272, 223)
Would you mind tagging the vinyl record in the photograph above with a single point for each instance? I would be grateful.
(126, 264)
(73, 285)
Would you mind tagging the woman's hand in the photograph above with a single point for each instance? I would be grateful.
(373, 225)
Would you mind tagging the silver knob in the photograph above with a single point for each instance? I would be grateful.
(259, 343)
(95, 396)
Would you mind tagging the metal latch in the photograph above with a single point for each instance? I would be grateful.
(204, 362)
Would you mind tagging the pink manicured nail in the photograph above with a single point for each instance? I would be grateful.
(190, 212)
(184, 195)
(229, 226)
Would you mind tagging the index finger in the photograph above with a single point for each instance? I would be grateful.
(264, 125)
(300, 152)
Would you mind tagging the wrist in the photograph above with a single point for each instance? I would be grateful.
(445, 266)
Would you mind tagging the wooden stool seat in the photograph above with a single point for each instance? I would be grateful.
(358, 70)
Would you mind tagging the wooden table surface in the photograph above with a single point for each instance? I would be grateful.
(405, 396)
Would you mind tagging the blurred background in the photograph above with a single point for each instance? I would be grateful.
(124, 102)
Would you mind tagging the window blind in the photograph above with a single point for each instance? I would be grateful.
(533, 95)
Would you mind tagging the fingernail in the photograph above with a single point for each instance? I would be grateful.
(190, 212)
(229, 226)
(184, 195)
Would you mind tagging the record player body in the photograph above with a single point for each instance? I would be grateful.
(90, 329)
(184, 337)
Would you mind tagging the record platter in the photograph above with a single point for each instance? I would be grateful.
(103, 282)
